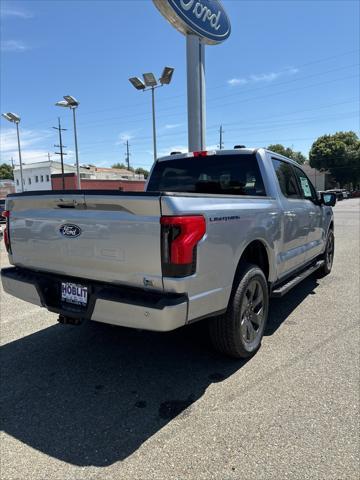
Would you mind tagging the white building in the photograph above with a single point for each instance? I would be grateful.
(37, 176)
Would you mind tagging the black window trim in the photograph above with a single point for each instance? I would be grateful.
(262, 177)
(314, 198)
(300, 197)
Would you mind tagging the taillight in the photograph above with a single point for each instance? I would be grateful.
(6, 214)
(179, 237)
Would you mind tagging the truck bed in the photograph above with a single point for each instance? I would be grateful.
(119, 241)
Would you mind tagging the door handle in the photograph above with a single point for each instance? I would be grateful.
(312, 213)
(71, 204)
(290, 214)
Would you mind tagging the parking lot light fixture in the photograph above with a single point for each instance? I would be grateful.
(71, 102)
(14, 118)
(137, 83)
(150, 83)
(150, 80)
(166, 76)
(62, 103)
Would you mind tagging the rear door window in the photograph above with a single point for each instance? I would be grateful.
(287, 179)
(222, 174)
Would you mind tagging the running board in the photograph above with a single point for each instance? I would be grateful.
(283, 289)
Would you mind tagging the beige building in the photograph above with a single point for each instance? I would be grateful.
(102, 173)
(320, 179)
(6, 187)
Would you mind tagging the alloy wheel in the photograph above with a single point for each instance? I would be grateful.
(252, 312)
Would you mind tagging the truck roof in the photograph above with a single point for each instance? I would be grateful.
(233, 151)
(209, 152)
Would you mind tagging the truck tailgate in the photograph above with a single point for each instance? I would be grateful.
(109, 237)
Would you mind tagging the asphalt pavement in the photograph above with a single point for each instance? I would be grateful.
(102, 402)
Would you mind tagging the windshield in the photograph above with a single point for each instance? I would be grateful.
(222, 174)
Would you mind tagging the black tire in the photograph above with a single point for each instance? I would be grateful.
(238, 333)
(328, 255)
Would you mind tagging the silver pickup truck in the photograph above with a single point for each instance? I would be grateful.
(214, 235)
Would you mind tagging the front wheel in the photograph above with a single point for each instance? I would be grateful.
(328, 256)
(238, 333)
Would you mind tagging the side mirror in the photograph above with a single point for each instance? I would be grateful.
(328, 199)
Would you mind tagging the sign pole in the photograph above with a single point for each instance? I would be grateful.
(203, 23)
(195, 60)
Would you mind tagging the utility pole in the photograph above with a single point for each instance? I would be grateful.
(61, 153)
(127, 155)
(49, 157)
(221, 145)
(12, 163)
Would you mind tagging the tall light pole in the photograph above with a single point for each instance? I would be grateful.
(13, 118)
(150, 83)
(72, 103)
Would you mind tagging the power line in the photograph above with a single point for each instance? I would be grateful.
(132, 105)
(249, 126)
(210, 100)
(290, 90)
(313, 62)
(279, 84)
(283, 114)
(211, 107)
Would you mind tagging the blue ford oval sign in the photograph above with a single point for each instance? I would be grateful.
(69, 230)
(205, 18)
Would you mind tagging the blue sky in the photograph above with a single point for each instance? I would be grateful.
(288, 73)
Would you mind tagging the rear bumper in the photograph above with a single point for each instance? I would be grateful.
(108, 303)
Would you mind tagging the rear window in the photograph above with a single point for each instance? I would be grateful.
(222, 174)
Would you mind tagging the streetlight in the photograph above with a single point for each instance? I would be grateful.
(72, 103)
(150, 83)
(13, 118)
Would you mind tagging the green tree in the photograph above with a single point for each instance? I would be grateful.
(142, 171)
(6, 172)
(123, 166)
(340, 154)
(287, 152)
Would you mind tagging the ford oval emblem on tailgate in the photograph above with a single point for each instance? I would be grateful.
(69, 230)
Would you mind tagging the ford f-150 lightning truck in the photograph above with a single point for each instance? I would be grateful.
(214, 236)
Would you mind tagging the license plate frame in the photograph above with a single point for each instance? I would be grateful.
(74, 294)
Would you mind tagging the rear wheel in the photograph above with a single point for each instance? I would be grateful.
(238, 333)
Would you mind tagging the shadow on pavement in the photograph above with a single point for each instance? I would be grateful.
(91, 395)
(281, 308)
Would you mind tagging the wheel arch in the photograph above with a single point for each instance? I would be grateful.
(258, 253)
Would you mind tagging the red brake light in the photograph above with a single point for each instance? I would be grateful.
(180, 235)
(202, 153)
(6, 214)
